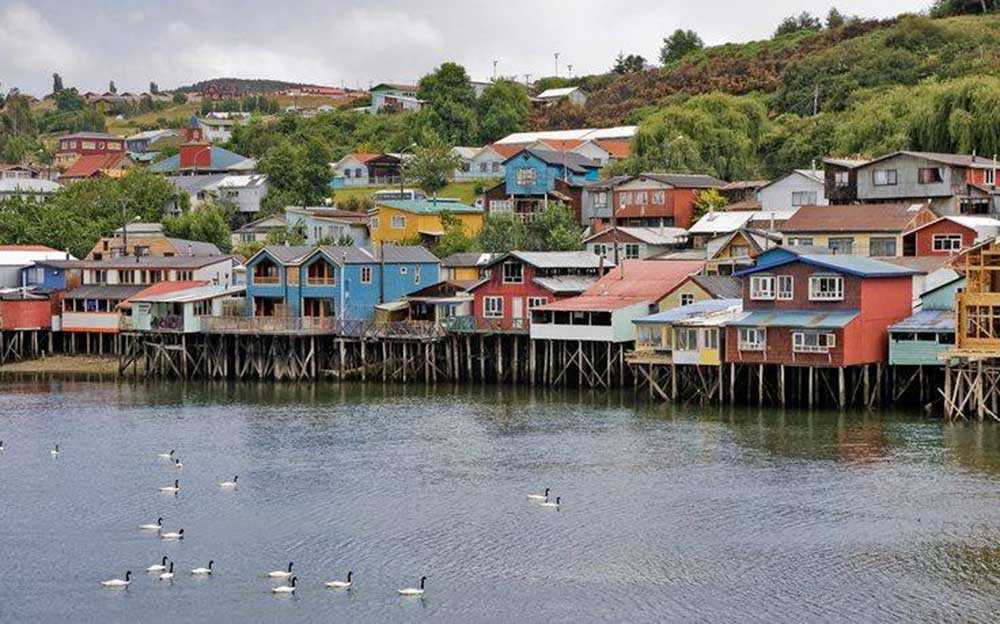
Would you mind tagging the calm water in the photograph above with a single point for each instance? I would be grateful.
(668, 515)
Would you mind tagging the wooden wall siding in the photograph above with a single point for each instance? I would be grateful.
(916, 352)
(924, 238)
(26, 314)
(801, 273)
(778, 349)
(689, 287)
(495, 287)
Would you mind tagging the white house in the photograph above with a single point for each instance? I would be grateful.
(394, 97)
(245, 191)
(465, 155)
(801, 187)
(218, 127)
(182, 311)
(351, 170)
(573, 94)
(488, 163)
(27, 188)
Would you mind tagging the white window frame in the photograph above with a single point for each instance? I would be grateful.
(824, 341)
(884, 174)
(816, 292)
(398, 222)
(752, 338)
(710, 338)
(366, 275)
(525, 176)
(762, 287)
(785, 288)
(800, 240)
(534, 302)
(686, 339)
(493, 307)
(601, 249)
(990, 177)
(633, 251)
(804, 198)
(510, 280)
(946, 242)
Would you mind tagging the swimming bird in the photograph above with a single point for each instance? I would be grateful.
(229, 485)
(1, 445)
(341, 584)
(176, 487)
(119, 582)
(541, 497)
(55, 451)
(168, 575)
(552, 505)
(152, 527)
(203, 571)
(412, 591)
(177, 464)
(158, 567)
(178, 535)
(169, 455)
(281, 573)
(285, 589)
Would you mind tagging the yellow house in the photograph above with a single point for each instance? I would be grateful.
(690, 334)
(856, 229)
(410, 220)
(465, 267)
(727, 254)
(695, 288)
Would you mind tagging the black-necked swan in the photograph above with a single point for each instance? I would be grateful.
(281, 573)
(540, 497)
(152, 527)
(285, 589)
(55, 451)
(1, 445)
(551, 504)
(119, 582)
(203, 571)
(230, 484)
(158, 567)
(169, 455)
(169, 574)
(342, 584)
(413, 591)
(177, 464)
(176, 487)
(178, 535)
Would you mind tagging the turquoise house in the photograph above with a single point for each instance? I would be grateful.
(921, 339)
(334, 282)
(534, 177)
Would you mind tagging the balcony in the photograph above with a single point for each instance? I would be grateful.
(320, 280)
(266, 280)
(471, 324)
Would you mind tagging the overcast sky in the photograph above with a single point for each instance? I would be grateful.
(356, 43)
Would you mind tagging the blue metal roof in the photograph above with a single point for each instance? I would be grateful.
(859, 266)
(796, 318)
(220, 159)
(682, 313)
(927, 321)
(429, 206)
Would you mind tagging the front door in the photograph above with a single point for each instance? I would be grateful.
(517, 311)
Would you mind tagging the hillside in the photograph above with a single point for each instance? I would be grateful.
(242, 86)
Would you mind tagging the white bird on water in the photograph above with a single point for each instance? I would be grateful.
(230, 485)
(152, 527)
(169, 455)
(177, 535)
(177, 464)
(341, 584)
(158, 567)
(55, 451)
(168, 575)
(203, 571)
(176, 487)
(413, 591)
(540, 497)
(119, 582)
(552, 505)
(281, 573)
(285, 589)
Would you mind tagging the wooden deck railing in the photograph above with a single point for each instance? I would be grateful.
(472, 324)
(266, 279)
(321, 325)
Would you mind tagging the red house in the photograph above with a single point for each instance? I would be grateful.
(950, 235)
(518, 281)
(817, 310)
(660, 199)
(25, 310)
(73, 146)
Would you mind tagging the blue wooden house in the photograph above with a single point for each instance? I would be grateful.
(534, 177)
(337, 282)
(924, 337)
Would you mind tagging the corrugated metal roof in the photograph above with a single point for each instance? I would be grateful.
(467, 259)
(636, 281)
(429, 206)
(219, 160)
(852, 265)
(927, 320)
(796, 318)
(697, 308)
(720, 286)
(189, 294)
(617, 132)
(566, 283)
(144, 262)
(571, 160)
(556, 259)
(853, 218)
(556, 93)
(102, 291)
(35, 186)
(686, 180)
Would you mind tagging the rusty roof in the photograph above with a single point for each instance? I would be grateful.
(853, 218)
(86, 166)
(635, 281)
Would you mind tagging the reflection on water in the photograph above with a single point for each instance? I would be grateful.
(669, 513)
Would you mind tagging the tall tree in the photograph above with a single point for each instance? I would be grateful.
(555, 229)
(112, 88)
(797, 23)
(450, 103)
(628, 64)
(680, 43)
(431, 164)
(504, 108)
(154, 88)
(57, 83)
(502, 232)
(835, 19)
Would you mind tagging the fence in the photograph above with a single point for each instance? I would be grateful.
(321, 325)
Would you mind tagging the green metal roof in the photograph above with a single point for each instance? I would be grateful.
(430, 206)
(796, 318)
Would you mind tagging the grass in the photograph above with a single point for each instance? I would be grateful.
(464, 191)
(131, 125)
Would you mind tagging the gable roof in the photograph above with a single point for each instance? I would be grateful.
(685, 180)
(648, 235)
(682, 313)
(985, 227)
(719, 286)
(342, 254)
(219, 160)
(92, 164)
(572, 161)
(954, 160)
(467, 259)
(813, 175)
(722, 222)
(558, 92)
(858, 266)
(333, 214)
(616, 148)
(759, 240)
(853, 218)
(428, 206)
(554, 259)
(503, 150)
(617, 132)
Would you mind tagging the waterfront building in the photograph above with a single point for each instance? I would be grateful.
(635, 242)
(949, 235)
(182, 308)
(322, 225)
(465, 268)
(700, 287)
(148, 239)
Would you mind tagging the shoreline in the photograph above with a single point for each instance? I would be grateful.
(64, 364)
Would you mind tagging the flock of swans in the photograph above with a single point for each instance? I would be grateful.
(164, 570)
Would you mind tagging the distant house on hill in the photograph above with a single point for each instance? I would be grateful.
(575, 95)
(394, 98)
(365, 169)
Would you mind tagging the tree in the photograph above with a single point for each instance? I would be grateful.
(297, 174)
(502, 232)
(947, 8)
(112, 88)
(555, 229)
(803, 21)
(679, 44)
(835, 19)
(179, 98)
(504, 108)
(454, 239)
(57, 83)
(154, 88)
(431, 164)
(207, 224)
(450, 107)
(69, 100)
(708, 200)
(628, 64)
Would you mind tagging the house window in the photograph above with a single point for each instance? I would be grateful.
(640, 197)
(493, 307)
(366, 275)
(501, 205)
(752, 338)
(687, 299)
(513, 273)
(483, 167)
(813, 342)
(403, 270)
(711, 338)
(826, 288)
(357, 172)
(801, 240)
(526, 176)
(347, 173)
(786, 287)
(600, 249)
(399, 222)
(687, 339)
(739, 251)
(946, 242)
(804, 198)
(416, 275)
(883, 246)
(843, 246)
(632, 251)
(990, 177)
(601, 199)
(884, 177)
(623, 198)
(374, 222)
(496, 167)
(929, 175)
(841, 179)
(762, 287)
(534, 302)
(659, 197)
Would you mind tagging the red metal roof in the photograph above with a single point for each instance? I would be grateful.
(633, 282)
(92, 164)
(505, 150)
(855, 218)
(617, 148)
(26, 248)
(162, 288)
(364, 157)
(562, 145)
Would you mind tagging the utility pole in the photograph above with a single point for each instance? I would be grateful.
(527, 80)
(494, 69)
(124, 203)
(557, 64)
(569, 69)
